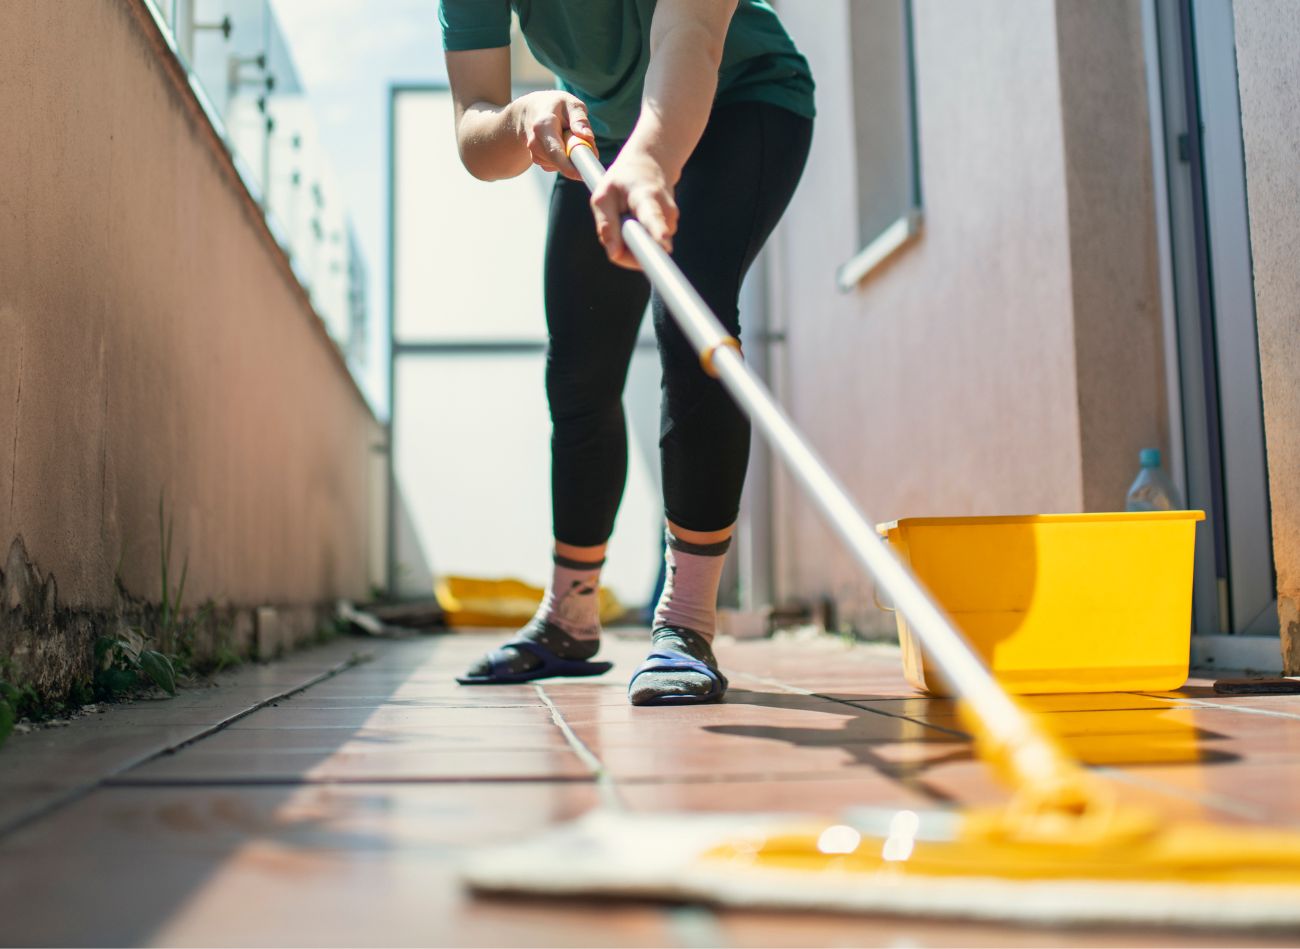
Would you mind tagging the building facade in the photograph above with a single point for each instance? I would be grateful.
(1033, 239)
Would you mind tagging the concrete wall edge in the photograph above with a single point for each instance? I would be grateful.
(175, 71)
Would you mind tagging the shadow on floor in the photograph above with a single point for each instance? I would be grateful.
(152, 847)
(904, 747)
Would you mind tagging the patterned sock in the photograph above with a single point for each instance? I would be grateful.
(685, 622)
(572, 600)
(567, 623)
(690, 597)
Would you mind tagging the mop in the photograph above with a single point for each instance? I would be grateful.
(1062, 850)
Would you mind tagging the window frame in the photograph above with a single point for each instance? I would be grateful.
(876, 250)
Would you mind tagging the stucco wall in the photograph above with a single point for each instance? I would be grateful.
(1114, 264)
(153, 340)
(1268, 71)
(1008, 360)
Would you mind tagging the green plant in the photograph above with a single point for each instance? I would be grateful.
(123, 664)
(182, 633)
(8, 710)
(23, 700)
(225, 657)
(222, 655)
(169, 617)
(175, 632)
(79, 693)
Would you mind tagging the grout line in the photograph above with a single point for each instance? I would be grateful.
(796, 690)
(604, 780)
(302, 781)
(635, 780)
(1215, 801)
(725, 777)
(1186, 701)
(72, 795)
(695, 926)
(351, 662)
(420, 706)
(886, 770)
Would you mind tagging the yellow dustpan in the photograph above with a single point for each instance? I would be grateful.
(1062, 849)
(476, 602)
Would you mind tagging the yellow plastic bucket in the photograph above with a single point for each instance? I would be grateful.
(1058, 602)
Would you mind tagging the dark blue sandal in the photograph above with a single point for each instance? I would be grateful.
(676, 662)
(551, 665)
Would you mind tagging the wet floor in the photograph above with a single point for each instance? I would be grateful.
(269, 813)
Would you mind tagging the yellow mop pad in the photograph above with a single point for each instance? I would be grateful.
(912, 864)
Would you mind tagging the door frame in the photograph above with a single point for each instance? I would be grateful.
(1217, 449)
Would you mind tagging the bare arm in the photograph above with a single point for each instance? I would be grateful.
(686, 41)
(499, 137)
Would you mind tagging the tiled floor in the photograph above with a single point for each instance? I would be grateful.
(340, 815)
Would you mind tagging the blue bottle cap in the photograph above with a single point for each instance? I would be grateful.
(1149, 457)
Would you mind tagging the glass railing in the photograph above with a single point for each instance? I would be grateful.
(240, 68)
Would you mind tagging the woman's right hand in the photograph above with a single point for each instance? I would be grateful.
(544, 120)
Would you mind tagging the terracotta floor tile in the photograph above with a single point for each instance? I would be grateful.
(1282, 705)
(941, 708)
(490, 764)
(1258, 791)
(1240, 734)
(326, 741)
(752, 764)
(592, 695)
(299, 869)
(768, 737)
(92, 747)
(339, 815)
(792, 794)
(289, 716)
(749, 929)
(358, 817)
(370, 700)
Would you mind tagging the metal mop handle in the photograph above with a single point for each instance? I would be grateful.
(1032, 759)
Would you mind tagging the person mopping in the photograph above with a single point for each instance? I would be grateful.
(702, 112)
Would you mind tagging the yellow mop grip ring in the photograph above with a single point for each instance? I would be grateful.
(706, 355)
(574, 140)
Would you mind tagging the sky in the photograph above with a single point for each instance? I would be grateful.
(348, 53)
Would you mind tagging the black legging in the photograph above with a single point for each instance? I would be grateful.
(733, 191)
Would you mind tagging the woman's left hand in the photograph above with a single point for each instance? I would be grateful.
(635, 184)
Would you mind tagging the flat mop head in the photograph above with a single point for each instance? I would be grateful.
(934, 864)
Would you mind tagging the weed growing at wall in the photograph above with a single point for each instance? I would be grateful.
(172, 600)
(179, 633)
(16, 703)
(44, 672)
(8, 710)
(123, 665)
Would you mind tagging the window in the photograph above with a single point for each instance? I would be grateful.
(884, 112)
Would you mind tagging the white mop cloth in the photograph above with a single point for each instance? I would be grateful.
(614, 855)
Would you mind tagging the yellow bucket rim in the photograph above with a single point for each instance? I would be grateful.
(1095, 518)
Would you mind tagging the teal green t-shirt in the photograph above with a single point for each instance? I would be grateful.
(599, 50)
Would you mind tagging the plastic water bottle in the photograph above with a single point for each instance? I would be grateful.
(1152, 490)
